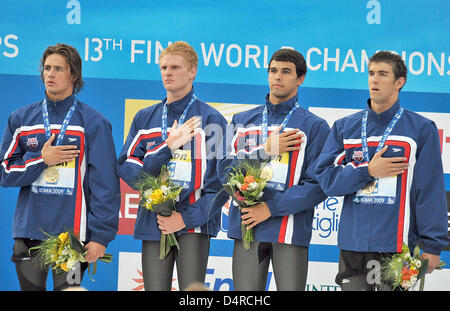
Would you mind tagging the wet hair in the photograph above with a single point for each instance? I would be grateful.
(73, 60)
(290, 55)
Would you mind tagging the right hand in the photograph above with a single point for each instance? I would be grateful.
(53, 155)
(181, 135)
(386, 167)
(277, 143)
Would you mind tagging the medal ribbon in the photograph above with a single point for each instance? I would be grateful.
(387, 132)
(180, 121)
(283, 124)
(62, 131)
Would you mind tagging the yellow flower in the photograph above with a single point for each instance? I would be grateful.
(54, 255)
(64, 266)
(157, 196)
(63, 237)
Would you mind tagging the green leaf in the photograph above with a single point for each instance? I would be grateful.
(94, 268)
(416, 251)
(76, 244)
(405, 248)
(423, 269)
(163, 249)
(106, 258)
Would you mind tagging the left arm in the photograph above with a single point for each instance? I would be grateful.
(104, 189)
(429, 193)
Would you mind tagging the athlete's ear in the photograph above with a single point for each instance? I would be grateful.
(193, 72)
(400, 83)
(300, 80)
(73, 78)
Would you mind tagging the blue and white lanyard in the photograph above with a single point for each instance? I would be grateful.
(387, 132)
(283, 124)
(62, 131)
(180, 121)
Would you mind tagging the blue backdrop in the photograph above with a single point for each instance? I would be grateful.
(120, 43)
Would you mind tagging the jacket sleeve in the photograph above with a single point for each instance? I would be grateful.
(307, 193)
(429, 192)
(210, 204)
(337, 175)
(103, 183)
(134, 158)
(19, 167)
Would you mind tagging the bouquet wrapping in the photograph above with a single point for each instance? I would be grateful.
(159, 194)
(245, 185)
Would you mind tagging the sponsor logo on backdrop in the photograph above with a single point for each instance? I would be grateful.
(324, 227)
(129, 204)
(374, 14)
(321, 276)
(74, 14)
(219, 276)
(326, 221)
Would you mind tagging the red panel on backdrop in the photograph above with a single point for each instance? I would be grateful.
(128, 208)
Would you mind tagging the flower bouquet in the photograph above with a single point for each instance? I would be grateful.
(159, 194)
(245, 185)
(404, 270)
(63, 252)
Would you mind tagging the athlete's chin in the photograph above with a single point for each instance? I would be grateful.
(279, 95)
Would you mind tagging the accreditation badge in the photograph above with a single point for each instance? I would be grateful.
(279, 168)
(51, 175)
(180, 167)
(370, 187)
(378, 191)
(56, 180)
(266, 173)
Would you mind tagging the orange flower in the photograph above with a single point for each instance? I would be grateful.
(244, 187)
(408, 273)
(249, 179)
(64, 266)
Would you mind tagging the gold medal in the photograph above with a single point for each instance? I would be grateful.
(51, 175)
(266, 173)
(369, 188)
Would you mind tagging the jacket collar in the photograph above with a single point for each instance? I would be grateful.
(61, 105)
(179, 105)
(384, 117)
(283, 107)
